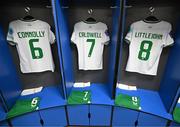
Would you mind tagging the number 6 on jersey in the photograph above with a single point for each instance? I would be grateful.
(36, 52)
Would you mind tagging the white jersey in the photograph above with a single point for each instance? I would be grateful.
(146, 41)
(90, 40)
(32, 40)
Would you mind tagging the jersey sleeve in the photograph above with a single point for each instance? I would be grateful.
(73, 37)
(105, 36)
(51, 36)
(128, 37)
(168, 39)
(11, 35)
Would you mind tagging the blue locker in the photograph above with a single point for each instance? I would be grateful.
(151, 120)
(78, 114)
(174, 124)
(171, 75)
(55, 116)
(29, 119)
(124, 117)
(4, 124)
(10, 84)
(100, 115)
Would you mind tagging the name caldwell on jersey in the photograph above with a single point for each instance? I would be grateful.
(89, 35)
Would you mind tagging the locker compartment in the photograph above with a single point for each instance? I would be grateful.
(78, 114)
(55, 116)
(150, 90)
(91, 115)
(31, 80)
(124, 117)
(13, 80)
(67, 14)
(100, 115)
(29, 119)
(151, 120)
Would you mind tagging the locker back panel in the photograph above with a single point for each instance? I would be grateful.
(15, 10)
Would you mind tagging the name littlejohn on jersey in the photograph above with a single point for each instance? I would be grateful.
(31, 34)
(148, 35)
(88, 34)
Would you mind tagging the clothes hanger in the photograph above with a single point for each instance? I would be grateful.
(90, 19)
(151, 18)
(28, 17)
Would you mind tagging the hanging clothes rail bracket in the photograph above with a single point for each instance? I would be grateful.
(27, 10)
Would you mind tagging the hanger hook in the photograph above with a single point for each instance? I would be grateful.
(151, 9)
(90, 11)
(27, 10)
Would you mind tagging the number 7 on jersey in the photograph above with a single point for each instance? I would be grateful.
(92, 46)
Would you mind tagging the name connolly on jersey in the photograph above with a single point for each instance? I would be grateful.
(148, 35)
(31, 34)
(91, 35)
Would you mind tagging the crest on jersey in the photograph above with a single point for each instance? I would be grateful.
(10, 31)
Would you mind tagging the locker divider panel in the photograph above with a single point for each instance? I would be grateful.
(115, 47)
(65, 56)
(10, 87)
(171, 75)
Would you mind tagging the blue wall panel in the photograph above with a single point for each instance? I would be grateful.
(10, 84)
(151, 120)
(30, 119)
(78, 114)
(54, 116)
(124, 117)
(100, 115)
